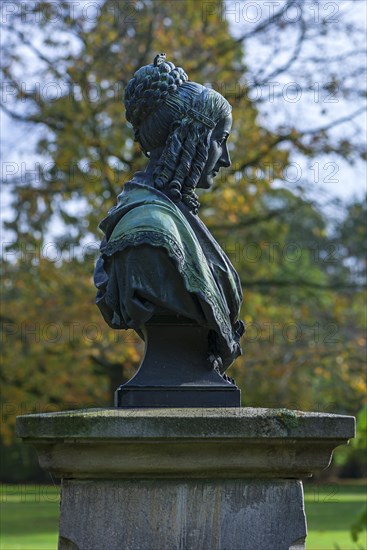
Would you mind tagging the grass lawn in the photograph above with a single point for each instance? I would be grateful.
(331, 510)
(29, 516)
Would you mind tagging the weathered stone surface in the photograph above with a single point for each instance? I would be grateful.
(182, 479)
(185, 515)
(231, 443)
(232, 422)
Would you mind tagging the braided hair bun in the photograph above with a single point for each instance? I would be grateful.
(149, 87)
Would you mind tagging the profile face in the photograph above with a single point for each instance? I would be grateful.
(218, 155)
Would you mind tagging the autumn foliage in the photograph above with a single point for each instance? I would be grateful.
(302, 275)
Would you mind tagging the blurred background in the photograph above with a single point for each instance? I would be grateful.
(289, 212)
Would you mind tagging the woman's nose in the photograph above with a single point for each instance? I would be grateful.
(225, 159)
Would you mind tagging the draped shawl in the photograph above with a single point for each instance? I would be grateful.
(158, 257)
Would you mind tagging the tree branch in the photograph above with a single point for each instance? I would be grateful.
(297, 135)
(291, 60)
(281, 283)
(36, 51)
(256, 219)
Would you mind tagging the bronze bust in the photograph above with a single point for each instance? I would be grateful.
(160, 271)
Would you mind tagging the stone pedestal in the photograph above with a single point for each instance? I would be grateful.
(183, 479)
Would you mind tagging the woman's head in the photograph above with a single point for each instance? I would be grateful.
(183, 121)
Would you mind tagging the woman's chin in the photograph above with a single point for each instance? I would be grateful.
(205, 182)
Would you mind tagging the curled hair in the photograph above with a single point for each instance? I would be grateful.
(181, 123)
(149, 87)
